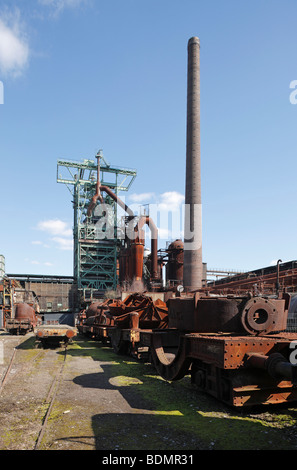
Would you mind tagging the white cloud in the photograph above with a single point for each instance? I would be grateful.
(59, 5)
(143, 197)
(36, 263)
(14, 49)
(164, 233)
(63, 243)
(274, 262)
(59, 231)
(170, 215)
(165, 210)
(171, 201)
(55, 227)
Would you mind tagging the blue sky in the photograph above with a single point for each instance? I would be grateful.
(84, 75)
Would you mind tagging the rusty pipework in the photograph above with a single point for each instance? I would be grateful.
(98, 196)
(98, 180)
(154, 241)
(108, 191)
(131, 257)
(98, 192)
(175, 265)
(137, 250)
(277, 286)
(275, 364)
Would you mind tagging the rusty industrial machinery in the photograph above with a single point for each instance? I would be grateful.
(19, 308)
(234, 348)
(25, 320)
(265, 280)
(130, 257)
(175, 263)
(120, 322)
(54, 334)
(6, 300)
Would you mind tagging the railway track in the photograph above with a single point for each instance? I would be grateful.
(50, 398)
(5, 375)
(8, 369)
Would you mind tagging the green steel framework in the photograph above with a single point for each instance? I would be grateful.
(95, 260)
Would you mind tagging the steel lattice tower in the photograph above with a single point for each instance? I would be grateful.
(95, 260)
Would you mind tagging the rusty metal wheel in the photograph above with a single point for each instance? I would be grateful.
(258, 316)
(170, 365)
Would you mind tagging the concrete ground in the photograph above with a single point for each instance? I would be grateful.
(103, 401)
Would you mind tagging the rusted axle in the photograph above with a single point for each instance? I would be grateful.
(275, 364)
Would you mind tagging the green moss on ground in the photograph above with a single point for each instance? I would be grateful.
(183, 408)
(21, 433)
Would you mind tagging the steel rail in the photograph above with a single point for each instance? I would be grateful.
(50, 401)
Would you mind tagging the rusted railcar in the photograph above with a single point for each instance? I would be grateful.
(234, 348)
(119, 322)
(55, 334)
(24, 321)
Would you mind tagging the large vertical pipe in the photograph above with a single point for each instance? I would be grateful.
(193, 215)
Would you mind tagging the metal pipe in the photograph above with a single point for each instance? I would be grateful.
(275, 364)
(124, 206)
(193, 267)
(98, 179)
(154, 241)
(107, 190)
(98, 193)
(136, 261)
(277, 276)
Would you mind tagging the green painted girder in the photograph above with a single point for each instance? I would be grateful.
(88, 171)
(97, 285)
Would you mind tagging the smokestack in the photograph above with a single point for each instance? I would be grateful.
(193, 267)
